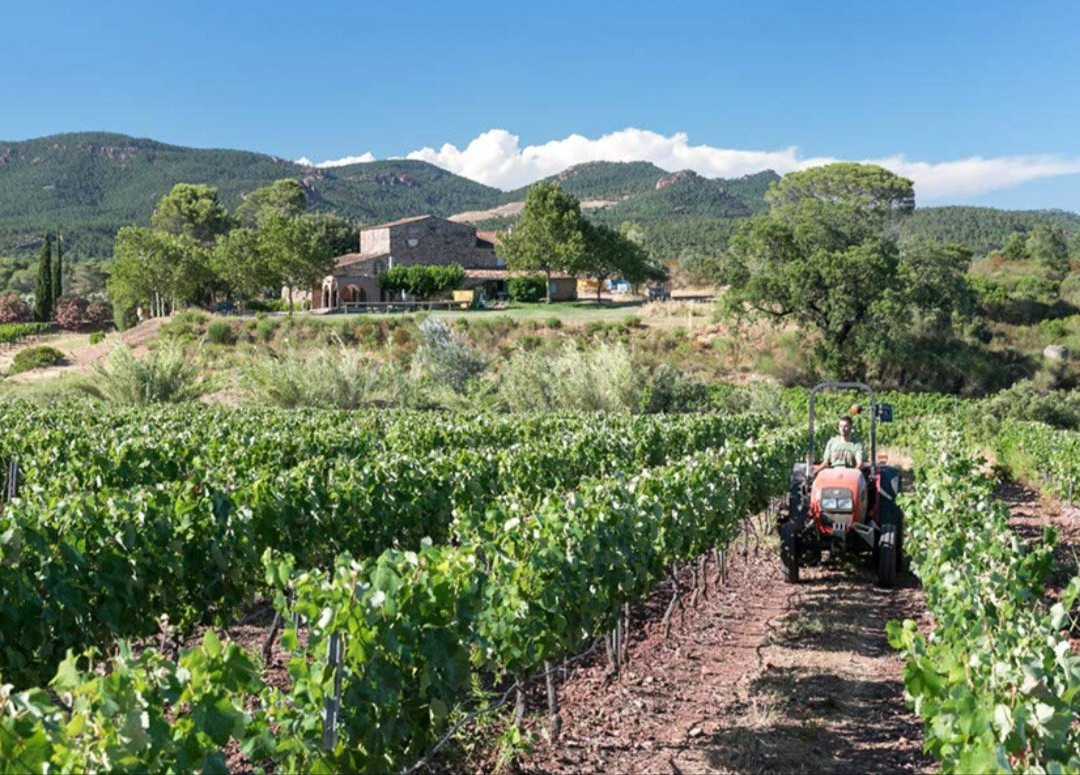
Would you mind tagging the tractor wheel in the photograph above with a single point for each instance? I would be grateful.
(887, 556)
(789, 551)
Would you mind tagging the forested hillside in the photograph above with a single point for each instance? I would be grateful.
(984, 229)
(91, 184)
(88, 185)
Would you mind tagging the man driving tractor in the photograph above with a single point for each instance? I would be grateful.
(842, 450)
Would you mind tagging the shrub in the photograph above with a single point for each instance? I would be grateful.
(1026, 400)
(445, 356)
(97, 337)
(36, 358)
(14, 332)
(527, 289)
(328, 379)
(163, 376)
(124, 316)
(99, 314)
(70, 312)
(13, 309)
(74, 313)
(604, 378)
(422, 281)
(265, 328)
(669, 390)
(220, 332)
(267, 305)
(553, 322)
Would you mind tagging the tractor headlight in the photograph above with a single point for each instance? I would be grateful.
(845, 504)
(829, 503)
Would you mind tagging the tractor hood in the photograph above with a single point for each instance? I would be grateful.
(839, 494)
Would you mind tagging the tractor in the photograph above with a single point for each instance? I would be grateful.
(843, 510)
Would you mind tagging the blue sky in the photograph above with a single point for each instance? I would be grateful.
(977, 101)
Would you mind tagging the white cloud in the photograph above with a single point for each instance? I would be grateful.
(363, 158)
(975, 175)
(497, 158)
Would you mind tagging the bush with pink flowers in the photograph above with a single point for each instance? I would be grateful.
(75, 313)
(13, 309)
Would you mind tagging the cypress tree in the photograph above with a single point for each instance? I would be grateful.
(58, 271)
(43, 301)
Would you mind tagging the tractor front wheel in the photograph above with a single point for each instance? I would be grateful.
(789, 551)
(888, 555)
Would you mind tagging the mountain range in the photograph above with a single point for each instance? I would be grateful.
(89, 184)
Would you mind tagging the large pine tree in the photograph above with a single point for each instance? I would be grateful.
(58, 270)
(43, 296)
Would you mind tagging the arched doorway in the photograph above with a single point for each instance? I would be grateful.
(354, 293)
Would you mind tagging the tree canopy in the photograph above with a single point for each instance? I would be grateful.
(549, 237)
(193, 210)
(825, 257)
(282, 197)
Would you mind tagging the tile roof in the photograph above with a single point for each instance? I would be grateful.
(503, 274)
(398, 222)
(489, 236)
(349, 259)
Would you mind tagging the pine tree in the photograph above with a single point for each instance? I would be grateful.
(58, 271)
(43, 298)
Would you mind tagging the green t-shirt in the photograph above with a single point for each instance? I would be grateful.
(843, 453)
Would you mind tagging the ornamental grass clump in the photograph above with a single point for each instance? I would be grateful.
(164, 376)
(445, 357)
(332, 379)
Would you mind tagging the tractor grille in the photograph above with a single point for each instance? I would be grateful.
(842, 518)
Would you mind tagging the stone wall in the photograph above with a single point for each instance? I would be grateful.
(374, 241)
(436, 241)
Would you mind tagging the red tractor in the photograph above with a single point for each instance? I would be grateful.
(843, 509)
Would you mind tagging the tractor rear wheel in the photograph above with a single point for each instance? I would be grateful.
(789, 551)
(888, 555)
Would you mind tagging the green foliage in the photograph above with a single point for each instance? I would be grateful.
(825, 257)
(191, 210)
(1028, 401)
(609, 253)
(323, 378)
(445, 358)
(1046, 245)
(549, 236)
(984, 230)
(157, 271)
(165, 375)
(996, 682)
(241, 264)
(284, 197)
(422, 281)
(295, 249)
(603, 378)
(13, 332)
(43, 288)
(97, 337)
(35, 358)
(58, 270)
(527, 288)
(866, 189)
(220, 332)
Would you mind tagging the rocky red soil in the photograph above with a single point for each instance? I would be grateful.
(760, 677)
(1031, 511)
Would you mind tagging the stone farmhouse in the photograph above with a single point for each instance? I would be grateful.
(426, 240)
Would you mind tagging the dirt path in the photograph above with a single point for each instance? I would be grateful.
(1030, 512)
(761, 677)
(80, 355)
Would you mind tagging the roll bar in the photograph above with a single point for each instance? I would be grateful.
(873, 421)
